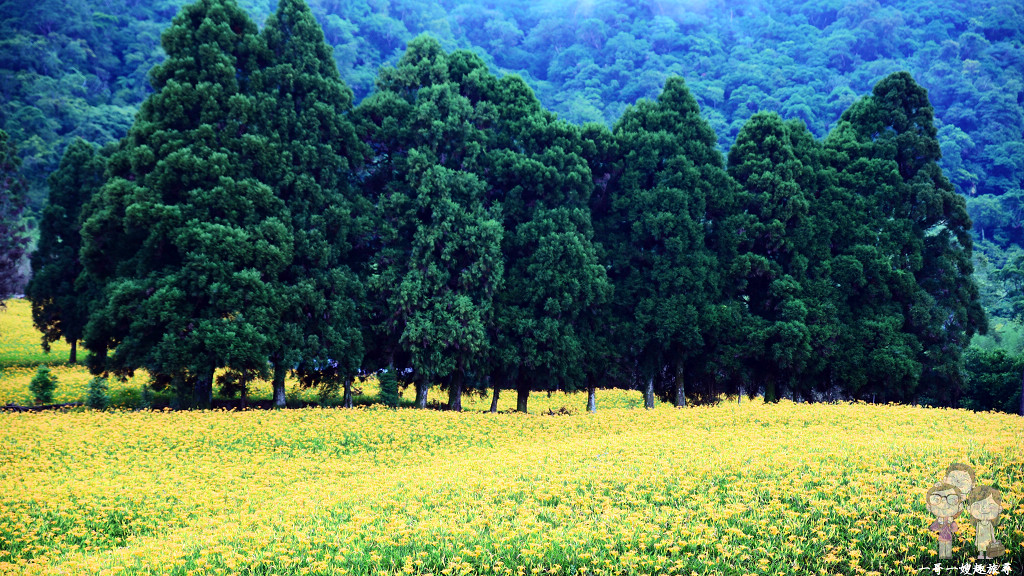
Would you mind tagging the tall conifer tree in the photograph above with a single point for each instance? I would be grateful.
(824, 321)
(554, 282)
(454, 271)
(60, 309)
(187, 244)
(529, 176)
(774, 261)
(312, 148)
(912, 259)
(604, 365)
(660, 236)
(439, 266)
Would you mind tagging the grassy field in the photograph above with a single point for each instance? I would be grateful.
(729, 489)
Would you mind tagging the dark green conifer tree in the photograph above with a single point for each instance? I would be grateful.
(555, 282)
(529, 176)
(604, 364)
(303, 109)
(451, 277)
(438, 266)
(60, 308)
(187, 244)
(907, 256)
(660, 236)
(818, 180)
(773, 264)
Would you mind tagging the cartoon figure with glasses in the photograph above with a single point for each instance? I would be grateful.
(945, 501)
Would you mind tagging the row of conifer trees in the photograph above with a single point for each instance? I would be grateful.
(452, 232)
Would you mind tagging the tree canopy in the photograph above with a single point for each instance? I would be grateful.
(484, 230)
(308, 159)
(449, 231)
(667, 277)
(79, 69)
(911, 244)
(187, 243)
(61, 304)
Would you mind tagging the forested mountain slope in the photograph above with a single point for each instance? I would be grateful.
(78, 67)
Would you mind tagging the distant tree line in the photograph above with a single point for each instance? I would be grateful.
(455, 235)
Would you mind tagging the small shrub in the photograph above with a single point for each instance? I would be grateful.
(327, 394)
(389, 388)
(145, 397)
(42, 385)
(97, 396)
(234, 384)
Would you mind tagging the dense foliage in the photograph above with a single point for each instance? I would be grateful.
(486, 264)
(453, 232)
(80, 69)
(783, 269)
(909, 244)
(14, 236)
(655, 227)
(310, 150)
(995, 381)
(186, 241)
(43, 385)
(60, 303)
(438, 263)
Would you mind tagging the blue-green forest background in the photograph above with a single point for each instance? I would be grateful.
(78, 68)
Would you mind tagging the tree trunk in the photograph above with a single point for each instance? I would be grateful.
(649, 393)
(73, 356)
(280, 371)
(769, 392)
(591, 399)
(494, 396)
(244, 393)
(680, 386)
(523, 396)
(421, 395)
(1022, 395)
(739, 397)
(346, 398)
(202, 390)
(455, 392)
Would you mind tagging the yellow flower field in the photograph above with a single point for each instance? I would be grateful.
(730, 489)
(21, 354)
